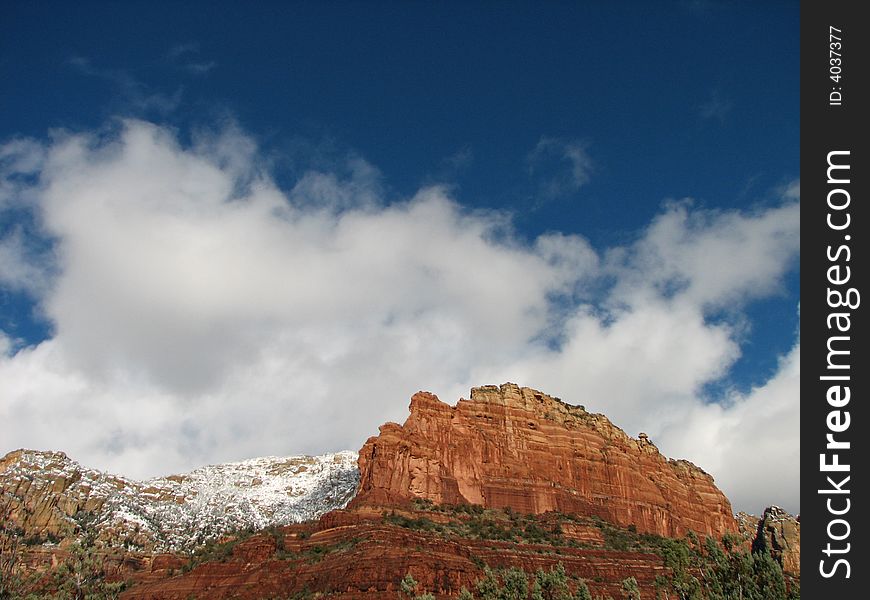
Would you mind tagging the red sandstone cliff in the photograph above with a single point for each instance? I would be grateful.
(516, 447)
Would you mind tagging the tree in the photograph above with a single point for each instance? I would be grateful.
(516, 584)
(82, 575)
(408, 585)
(488, 587)
(630, 589)
(12, 579)
(794, 590)
(582, 592)
(552, 584)
(727, 572)
(768, 576)
(680, 557)
(409, 588)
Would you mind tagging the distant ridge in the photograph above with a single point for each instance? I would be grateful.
(50, 494)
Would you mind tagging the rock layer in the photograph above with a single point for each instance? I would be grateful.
(515, 447)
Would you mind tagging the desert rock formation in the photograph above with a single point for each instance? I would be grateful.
(515, 447)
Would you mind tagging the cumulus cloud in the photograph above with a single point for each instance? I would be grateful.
(709, 259)
(202, 314)
(20, 159)
(20, 270)
(741, 440)
(643, 352)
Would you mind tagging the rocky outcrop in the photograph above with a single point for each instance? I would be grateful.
(777, 532)
(42, 492)
(50, 498)
(515, 447)
(747, 526)
(780, 534)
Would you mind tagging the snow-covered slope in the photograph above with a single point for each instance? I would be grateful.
(51, 495)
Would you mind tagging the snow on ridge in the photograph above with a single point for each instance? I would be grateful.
(179, 512)
(254, 493)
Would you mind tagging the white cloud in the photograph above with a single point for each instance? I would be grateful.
(710, 259)
(22, 156)
(19, 160)
(202, 314)
(19, 267)
(644, 353)
(741, 442)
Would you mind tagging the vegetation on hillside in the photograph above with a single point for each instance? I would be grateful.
(84, 571)
(712, 570)
(696, 570)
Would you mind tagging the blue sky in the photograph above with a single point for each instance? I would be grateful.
(611, 141)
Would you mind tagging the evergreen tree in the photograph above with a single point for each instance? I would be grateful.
(82, 575)
(552, 584)
(768, 576)
(727, 572)
(680, 557)
(582, 592)
(630, 589)
(516, 584)
(488, 587)
(408, 585)
(12, 580)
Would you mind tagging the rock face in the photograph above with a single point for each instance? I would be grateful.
(48, 495)
(747, 525)
(780, 534)
(519, 448)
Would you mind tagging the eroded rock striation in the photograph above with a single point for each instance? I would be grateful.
(515, 447)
